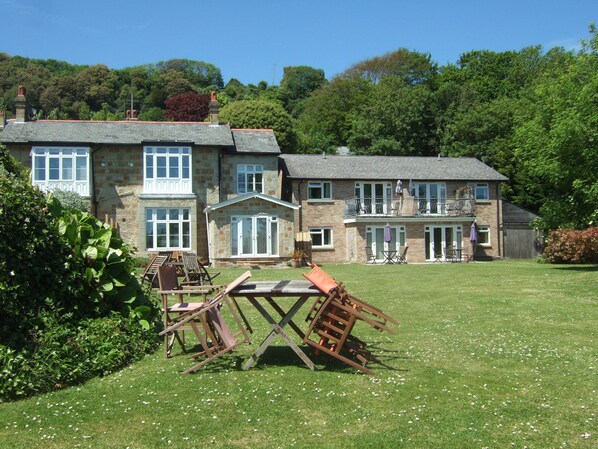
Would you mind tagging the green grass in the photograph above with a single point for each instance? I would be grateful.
(494, 355)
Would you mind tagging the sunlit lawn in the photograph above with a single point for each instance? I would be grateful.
(494, 355)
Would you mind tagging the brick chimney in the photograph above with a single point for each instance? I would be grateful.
(132, 114)
(214, 107)
(21, 106)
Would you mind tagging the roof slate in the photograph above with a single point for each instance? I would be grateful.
(308, 166)
(255, 141)
(124, 133)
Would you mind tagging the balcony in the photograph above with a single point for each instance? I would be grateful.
(409, 207)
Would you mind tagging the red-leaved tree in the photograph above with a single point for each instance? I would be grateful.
(188, 107)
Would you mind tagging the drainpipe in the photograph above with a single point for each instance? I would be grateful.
(208, 237)
(94, 197)
(498, 226)
(300, 205)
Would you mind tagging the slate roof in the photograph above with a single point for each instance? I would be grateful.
(255, 141)
(309, 166)
(123, 133)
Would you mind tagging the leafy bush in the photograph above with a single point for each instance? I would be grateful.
(71, 200)
(572, 246)
(71, 306)
(71, 353)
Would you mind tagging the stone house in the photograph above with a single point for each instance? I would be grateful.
(166, 185)
(232, 197)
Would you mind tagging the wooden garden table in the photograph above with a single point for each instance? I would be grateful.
(276, 293)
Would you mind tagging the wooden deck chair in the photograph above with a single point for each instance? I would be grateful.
(173, 310)
(215, 337)
(151, 270)
(333, 318)
(195, 271)
(402, 256)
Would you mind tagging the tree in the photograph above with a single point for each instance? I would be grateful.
(262, 114)
(557, 141)
(189, 107)
(396, 121)
(298, 82)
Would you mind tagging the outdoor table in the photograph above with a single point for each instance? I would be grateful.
(389, 256)
(274, 293)
(458, 254)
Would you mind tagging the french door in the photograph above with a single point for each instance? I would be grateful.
(374, 197)
(254, 236)
(438, 238)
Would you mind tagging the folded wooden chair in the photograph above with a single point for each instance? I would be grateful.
(195, 271)
(333, 318)
(173, 309)
(214, 334)
(151, 270)
(402, 256)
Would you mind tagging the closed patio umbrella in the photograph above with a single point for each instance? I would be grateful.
(387, 235)
(473, 238)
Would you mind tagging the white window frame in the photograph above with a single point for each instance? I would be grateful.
(483, 230)
(324, 188)
(71, 163)
(325, 235)
(250, 247)
(250, 178)
(167, 169)
(431, 198)
(160, 221)
(374, 198)
(482, 188)
(374, 238)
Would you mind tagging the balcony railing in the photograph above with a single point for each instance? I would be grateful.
(409, 207)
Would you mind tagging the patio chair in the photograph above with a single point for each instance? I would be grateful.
(151, 270)
(172, 310)
(369, 254)
(333, 318)
(402, 256)
(195, 271)
(215, 336)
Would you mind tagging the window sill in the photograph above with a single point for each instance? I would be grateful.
(189, 196)
(322, 248)
(321, 201)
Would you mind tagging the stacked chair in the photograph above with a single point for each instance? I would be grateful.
(333, 317)
(204, 318)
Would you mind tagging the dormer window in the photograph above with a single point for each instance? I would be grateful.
(167, 170)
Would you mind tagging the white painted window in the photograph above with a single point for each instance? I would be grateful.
(321, 237)
(57, 168)
(481, 191)
(319, 190)
(483, 234)
(167, 229)
(250, 178)
(167, 170)
(253, 236)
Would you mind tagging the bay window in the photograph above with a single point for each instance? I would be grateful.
(58, 168)
(166, 170)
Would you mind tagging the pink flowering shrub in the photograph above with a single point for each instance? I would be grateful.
(572, 246)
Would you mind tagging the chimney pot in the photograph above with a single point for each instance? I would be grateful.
(214, 109)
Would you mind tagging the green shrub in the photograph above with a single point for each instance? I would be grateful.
(572, 246)
(70, 353)
(71, 200)
(71, 305)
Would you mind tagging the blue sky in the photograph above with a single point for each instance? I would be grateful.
(252, 40)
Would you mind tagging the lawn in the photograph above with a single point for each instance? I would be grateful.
(488, 355)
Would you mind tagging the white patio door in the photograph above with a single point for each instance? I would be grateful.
(374, 197)
(438, 238)
(254, 236)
